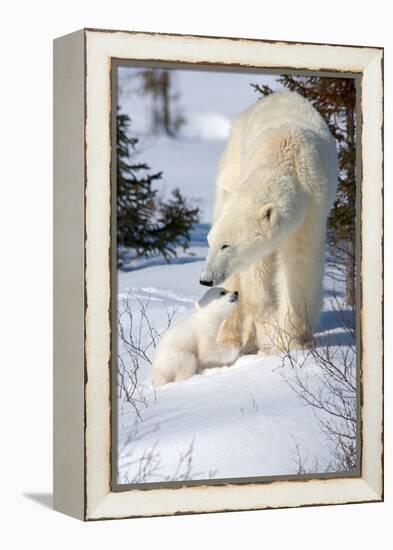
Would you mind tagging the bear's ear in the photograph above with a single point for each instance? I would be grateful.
(267, 212)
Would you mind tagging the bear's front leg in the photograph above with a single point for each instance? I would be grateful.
(261, 305)
(229, 333)
(300, 277)
(267, 333)
(279, 338)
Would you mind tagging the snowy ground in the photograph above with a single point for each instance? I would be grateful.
(209, 101)
(242, 421)
(229, 422)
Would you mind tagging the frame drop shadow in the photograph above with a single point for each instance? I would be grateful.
(44, 499)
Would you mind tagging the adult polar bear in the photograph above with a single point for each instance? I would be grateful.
(276, 185)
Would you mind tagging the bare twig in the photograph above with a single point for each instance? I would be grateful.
(331, 391)
(137, 338)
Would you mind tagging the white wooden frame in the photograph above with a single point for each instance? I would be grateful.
(82, 392)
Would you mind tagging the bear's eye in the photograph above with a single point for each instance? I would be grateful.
(222, 293)
(224, 246)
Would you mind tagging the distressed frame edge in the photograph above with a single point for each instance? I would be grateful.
(235, 38)
(372, 188)
(69, 489)
(375, 494)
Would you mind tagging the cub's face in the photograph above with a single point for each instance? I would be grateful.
(243, 234)
(219, 301)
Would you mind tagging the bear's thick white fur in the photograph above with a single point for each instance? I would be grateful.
(191, 345)
(276, 185)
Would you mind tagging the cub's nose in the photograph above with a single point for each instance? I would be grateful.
(205, 283)
(236, 293)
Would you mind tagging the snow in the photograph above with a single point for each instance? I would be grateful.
(190, 165)
(225, 93)
(231, 422)
(207, 126)
(209, 101)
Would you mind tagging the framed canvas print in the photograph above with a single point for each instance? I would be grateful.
(218, 274)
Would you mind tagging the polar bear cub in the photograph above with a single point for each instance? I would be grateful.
(191, 345)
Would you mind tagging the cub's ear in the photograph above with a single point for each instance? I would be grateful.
(267, 212)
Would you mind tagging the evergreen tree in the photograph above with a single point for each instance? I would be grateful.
(145, 223)
(335, 100)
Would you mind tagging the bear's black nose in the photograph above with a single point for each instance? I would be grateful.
(236, 293)
(205, 283)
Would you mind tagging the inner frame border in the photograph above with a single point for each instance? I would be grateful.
(115, 64)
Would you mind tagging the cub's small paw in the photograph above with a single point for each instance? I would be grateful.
(231, 356)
